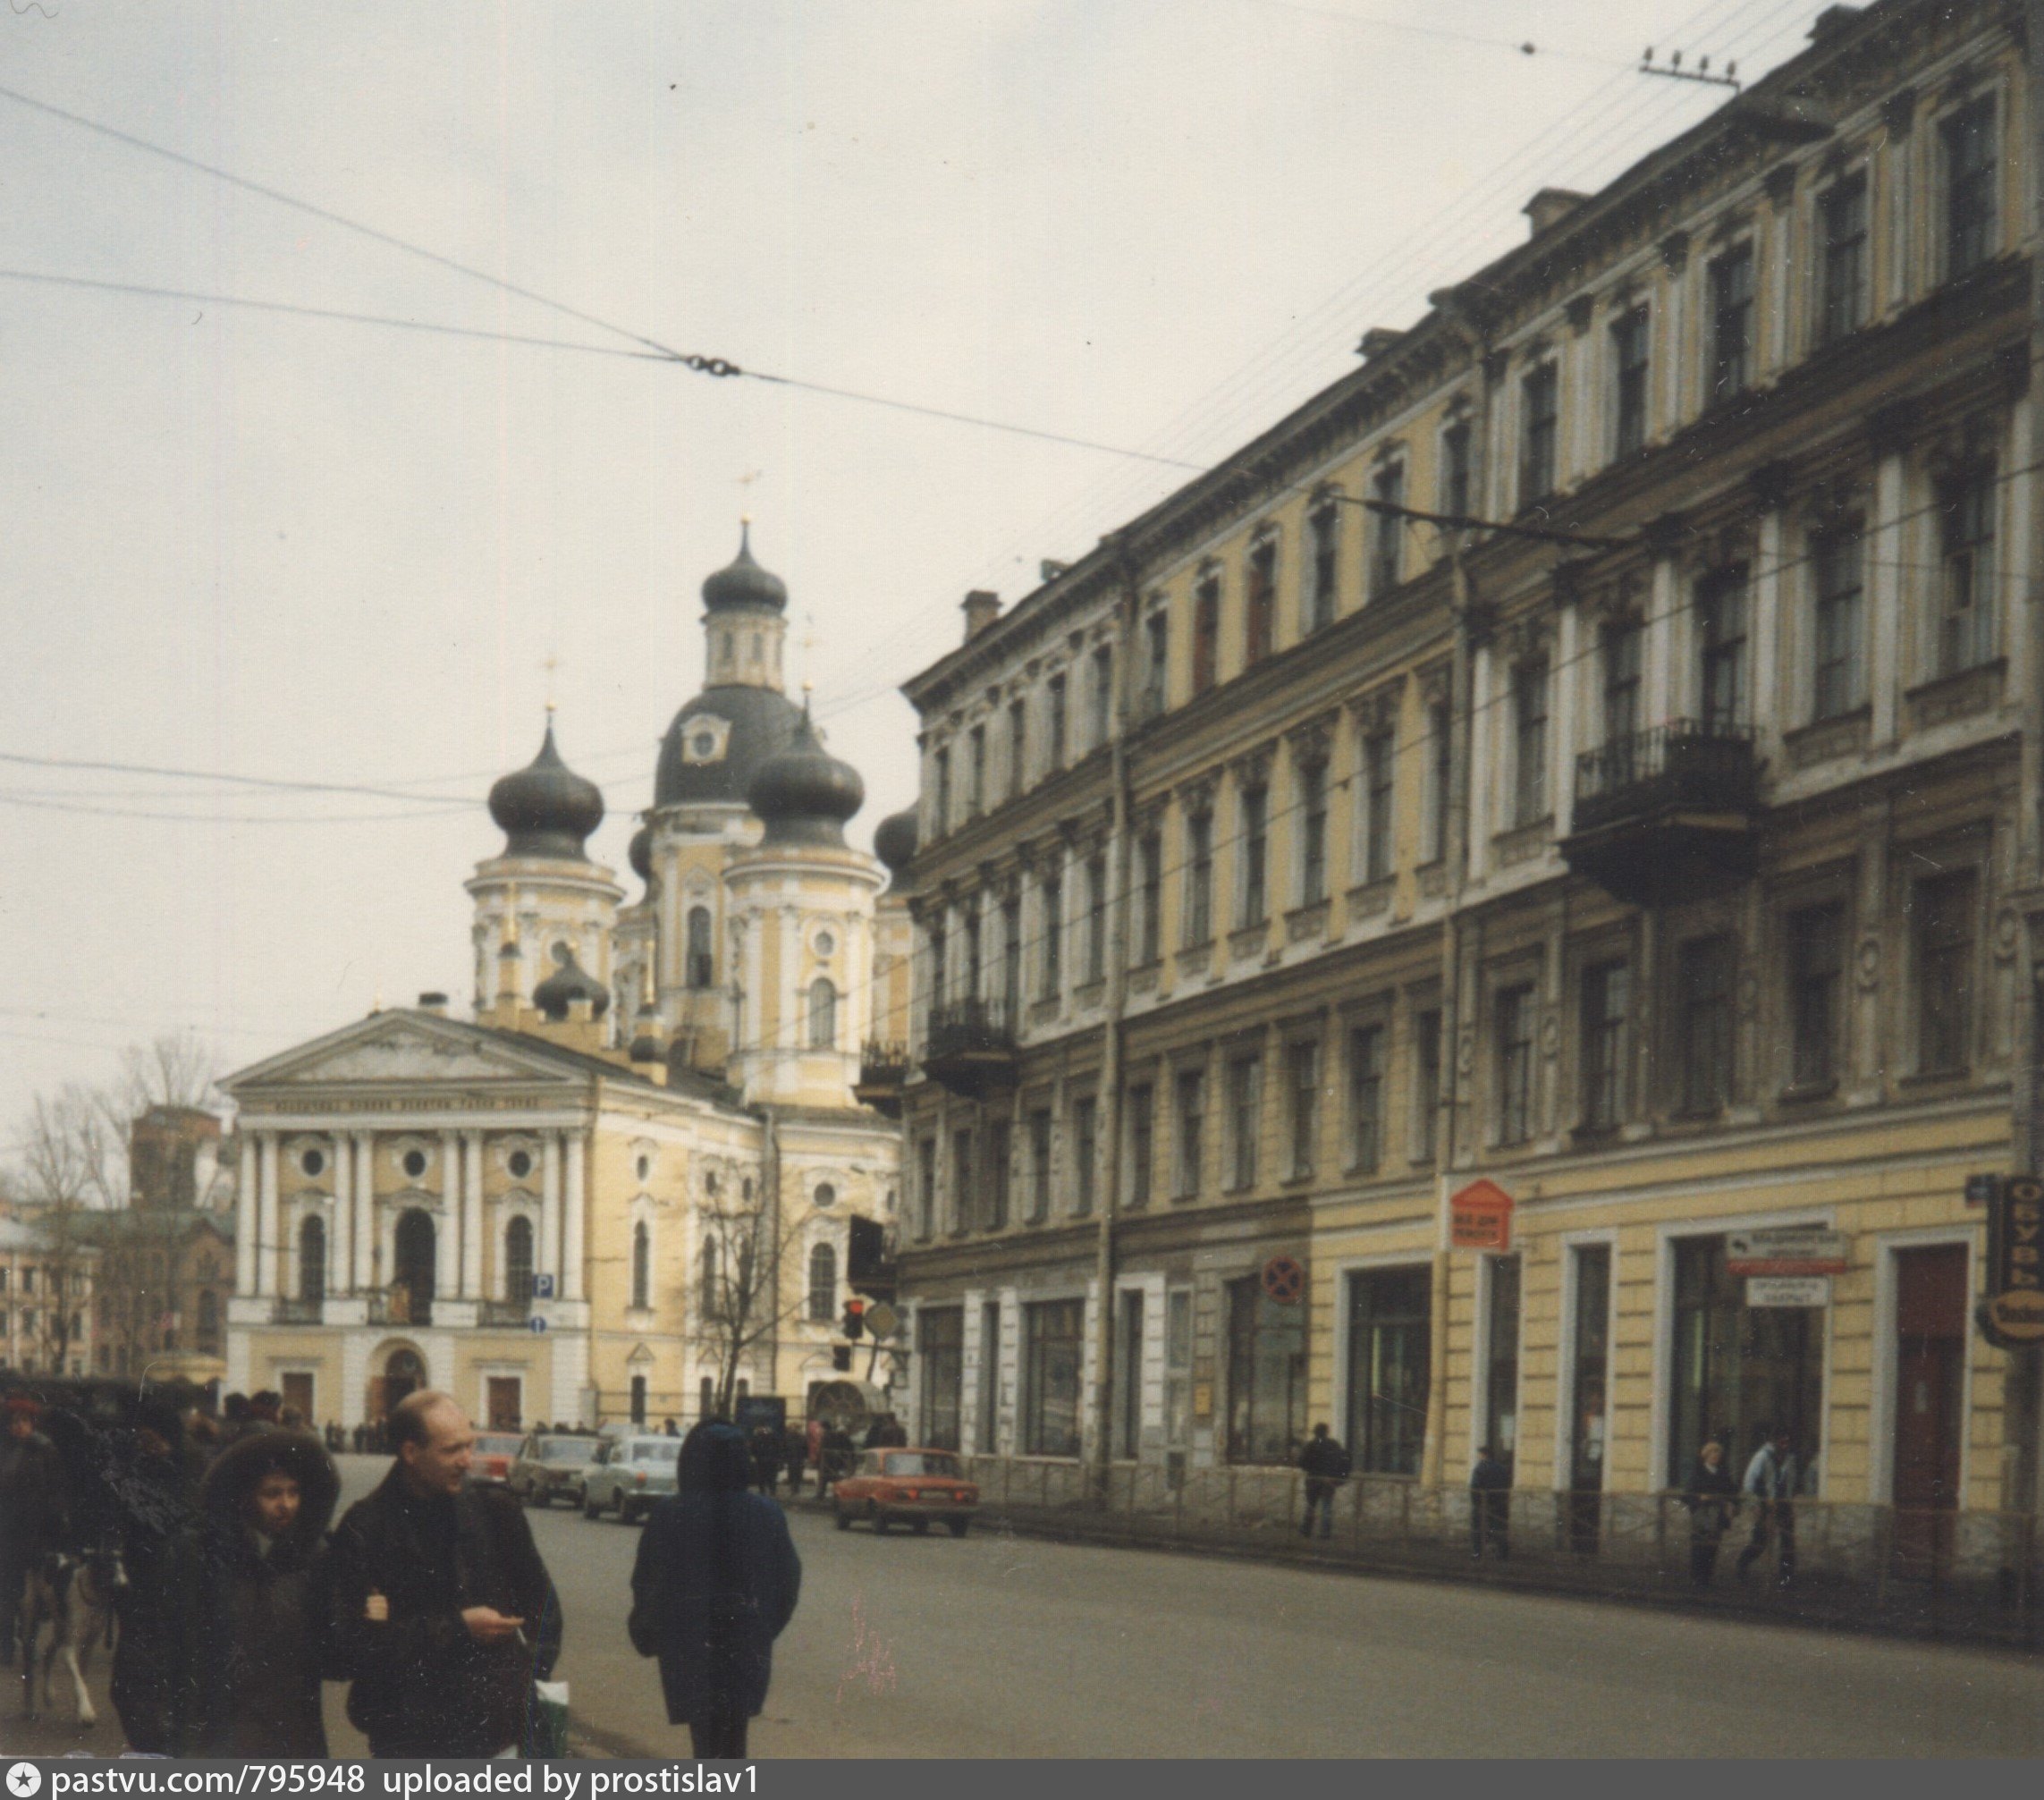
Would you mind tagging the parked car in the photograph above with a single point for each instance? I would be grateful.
(550, 1465)
(496, 1452)
(629, 1474)
(909, 1486)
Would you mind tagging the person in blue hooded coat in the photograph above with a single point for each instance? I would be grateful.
(715, 1584)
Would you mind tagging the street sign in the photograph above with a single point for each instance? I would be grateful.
(536, 1324)
(1789, 1290)
(2012, 1314)
(882, 1320)
(1981, 1189)
(1284, 1280)
(543, 1287)
(1786, 1250)
(1480, 1218)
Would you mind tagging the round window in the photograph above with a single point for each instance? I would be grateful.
(826, 945)
(645, 1167)
(520, 1163)
(826, 1194)
(314, 1161)
(706, 746)
(415, 1163)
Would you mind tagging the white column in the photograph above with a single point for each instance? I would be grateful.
(550, 1207)
(266, 1218)
(472, 1220)
(571, 1259)
(1884, 602)
(364, 1226)
(1666, 699)
(1569, 677)
(447, 1239)
(245, 1225)
(340, 1252)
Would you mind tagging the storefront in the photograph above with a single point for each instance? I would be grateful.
(1389, 1323)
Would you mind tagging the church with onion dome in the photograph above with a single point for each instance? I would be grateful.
(638, 1175)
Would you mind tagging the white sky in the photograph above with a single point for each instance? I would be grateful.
(333, 553)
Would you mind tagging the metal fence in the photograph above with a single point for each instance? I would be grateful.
(1971, 1575)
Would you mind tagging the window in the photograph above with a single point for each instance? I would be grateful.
(989, 1433)
(713, 1297)
(1540, 400)
(1245, 1111)
(1589, 1395)
(1529, 742)
(1254, 806)
(1012, 962)
(1095, 918)
(1630, 337)
(976, 772)
(1101, 694)
(208, 1321)
(1178, 1366)
(1703, 1023)
(1323, 580)
(942, 763)
(1017, 747)
(700, 970)
(1054, 937)
(1379, 750)
(1303, 1070)
(962, 1190)
(997, 1168)
(1150, 879)
(1965, 530)
(1142, 1143)
(1191, 1098)
(1619, 644)
(1455, 470)
(1053, 1335)
(1943, 909)
(824, 1009)
(1365, 1098)
(1501, 1360)
(413, 1163)
(1156, 661)
(1968, 143)
(927, 1188)
(1426, 1084)
(822, 1284)
(974, 953)
(940, 976)
(1199, 878)
(1722, 644)
(1312, 833)
(1054, 750)
(1607, 1006)
(1513, 1022)
(1816, 965)
(1390, 1313)
(1260, 602)
(312, 1259)
(517, 1260)
(1085, 1146)
(1842, 225)
(1206, 634)
(1266, 1375)
(1731, 324)
(1129, 1371)
(1835, 559)
(641, 1266)
(1387, 531)
(1440, 779)
(939, 1345)
(1039, 1167)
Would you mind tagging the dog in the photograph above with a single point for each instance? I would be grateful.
(75, 1593)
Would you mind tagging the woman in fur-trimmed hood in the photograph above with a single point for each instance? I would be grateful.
(247, 1587)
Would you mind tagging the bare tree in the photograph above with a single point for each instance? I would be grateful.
(744, 1297)
(63, 1157)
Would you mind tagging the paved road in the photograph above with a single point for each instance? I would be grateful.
(1003, 1646)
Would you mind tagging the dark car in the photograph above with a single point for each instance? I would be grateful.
(909, 1486)
(550, 1466)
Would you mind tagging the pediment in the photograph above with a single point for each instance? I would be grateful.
(403, 1050)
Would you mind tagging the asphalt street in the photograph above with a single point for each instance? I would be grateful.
(1005, 1646)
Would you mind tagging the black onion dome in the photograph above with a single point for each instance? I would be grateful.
(569, 983)
(744, 583)
(545, 809)
(641, 854)
(804, 795)
(894, 840)
(749, 723)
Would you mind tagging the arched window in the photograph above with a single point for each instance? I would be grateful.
(712, 1308)
(641, 1266)
(638, 1399)
(822, 1283)
(312, 1258)
(518, 1259)
(414, 1263)
(698, 974)
(822, 1014)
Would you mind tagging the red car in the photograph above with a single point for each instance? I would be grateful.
(912, 1486)
(495, 1451)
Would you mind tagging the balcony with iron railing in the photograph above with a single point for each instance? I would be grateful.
(298, 1312)
(401, 1305)
(970, 1047)
(504, 1313)
(882, 1073)
(1666, 813)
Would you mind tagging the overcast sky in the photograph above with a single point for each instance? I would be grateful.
(300, 549)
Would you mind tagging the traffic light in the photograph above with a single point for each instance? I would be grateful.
(841, 1358)
(855, 1318)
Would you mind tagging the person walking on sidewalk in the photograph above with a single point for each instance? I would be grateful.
(715, 1583)
(1324, 1461)
(443, 1613)
(1770, 1483)
(1490, 1505)
(1712, 1497)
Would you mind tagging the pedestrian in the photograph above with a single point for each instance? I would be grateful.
(1771, 1483)
(876, 1434)
(1490, 1505)
(894, 1433)
(765, 1447)
(715, 1583)
(668, 1428)
(794, 1457)
(1325, 1460)
(1712, 1497)
(244, 1605)
(836, 1456)
(443, 1613)
(34, 1516)
(154, 1493)
(814, 1431)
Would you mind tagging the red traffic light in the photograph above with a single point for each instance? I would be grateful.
(855, 1318)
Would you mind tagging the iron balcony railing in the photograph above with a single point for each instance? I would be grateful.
(503, 1311)
(288, 1312)
(1688, 764)
(883, 1064)
(969, 1027)
(400, 1306)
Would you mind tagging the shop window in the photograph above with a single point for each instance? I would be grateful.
(1178, 1366)
(1052, 1333)
(939, 1346)
(1501, 1360)
(1266, 1375)
(1590, 1360)
(1390, 1312)
(988, 1435)
(1128, 1374)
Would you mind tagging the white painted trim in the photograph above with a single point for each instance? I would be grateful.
(1882, 1409)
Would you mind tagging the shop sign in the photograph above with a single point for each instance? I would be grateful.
(1789, 1290)
(1786, 1250)
(2012, 1314)
(1480, 1218)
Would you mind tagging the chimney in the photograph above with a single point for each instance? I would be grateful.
(1832, 21)
(1049, 568)
(981, 609)
(1376, 341)
(434, 1004)
(1550, 206)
